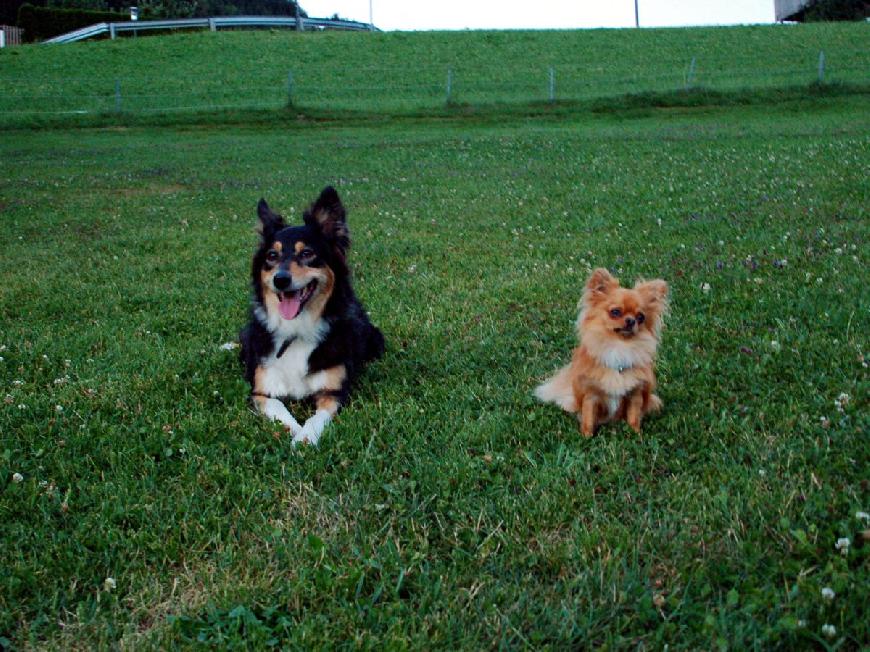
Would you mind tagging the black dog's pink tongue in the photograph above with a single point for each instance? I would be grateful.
(290, 304)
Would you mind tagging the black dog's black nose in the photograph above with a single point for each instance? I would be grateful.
(282, 281)
(629, 322)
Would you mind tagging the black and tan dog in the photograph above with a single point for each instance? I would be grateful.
(309, 336)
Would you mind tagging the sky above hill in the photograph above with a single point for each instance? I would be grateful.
(542, 14)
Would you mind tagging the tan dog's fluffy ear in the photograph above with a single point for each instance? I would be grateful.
(655, 299)
(601, 282)
(653, 291)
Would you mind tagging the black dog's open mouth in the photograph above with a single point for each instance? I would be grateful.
(290, 303)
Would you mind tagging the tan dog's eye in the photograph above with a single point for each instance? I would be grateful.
(641, 318)
(615, 313)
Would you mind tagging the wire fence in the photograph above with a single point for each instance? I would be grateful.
(397, 89)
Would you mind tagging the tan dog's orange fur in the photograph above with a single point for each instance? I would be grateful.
(612, 372)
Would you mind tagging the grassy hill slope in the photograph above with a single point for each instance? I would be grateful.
(407, 71)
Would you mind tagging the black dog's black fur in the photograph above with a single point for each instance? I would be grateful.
(351, 339)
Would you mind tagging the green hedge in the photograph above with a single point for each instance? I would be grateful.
(40, 23)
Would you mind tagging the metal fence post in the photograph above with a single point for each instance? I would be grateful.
(821, 66)
(290, 88)
(117, 96)
(552, 84)
(112, 30)
(449, 83)
(690, 78)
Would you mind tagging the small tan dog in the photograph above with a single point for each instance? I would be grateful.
(612, 372)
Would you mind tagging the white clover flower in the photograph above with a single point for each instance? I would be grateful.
(705, 287)
(1, 358)
(21, 406)
(776, 346)
(838, 251)
(17, 477)
(862, 516)
(18, 383)
(109, 583)
(828, 593)
(829, 630)
(841, 402)
(842, 545)
(58, 408)
(229, 346)
(44, 357)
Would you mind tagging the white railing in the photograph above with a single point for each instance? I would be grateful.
(214, 23)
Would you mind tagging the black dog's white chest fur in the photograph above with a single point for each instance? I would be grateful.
(285, 371)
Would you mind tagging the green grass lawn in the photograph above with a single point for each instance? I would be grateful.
(143, 505)
(407, 72)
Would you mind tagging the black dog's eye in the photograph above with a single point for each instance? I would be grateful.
(641, 318)
(615, 312)
(272, 255)
(306, 253)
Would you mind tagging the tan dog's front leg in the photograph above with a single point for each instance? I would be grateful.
(634, 410)
(588, 415)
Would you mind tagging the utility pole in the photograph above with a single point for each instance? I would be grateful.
(636, 16)
(371, 20)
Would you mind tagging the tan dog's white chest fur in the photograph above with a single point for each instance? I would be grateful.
(620, 379)
(617, 386)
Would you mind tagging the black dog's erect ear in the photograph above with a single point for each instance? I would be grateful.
(328, 215)
(270, 223)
